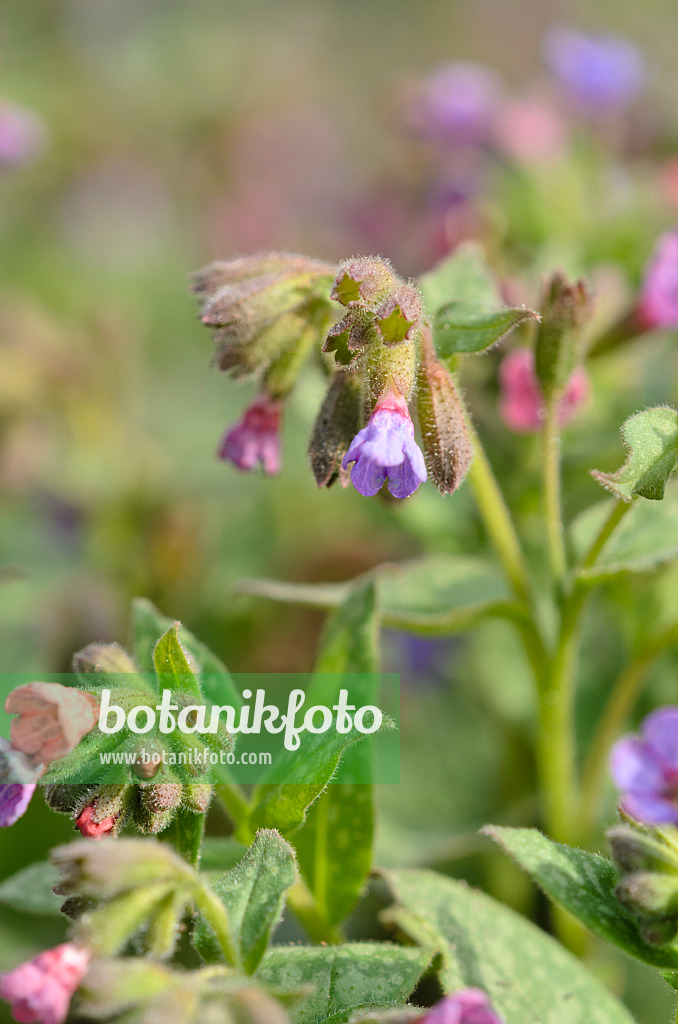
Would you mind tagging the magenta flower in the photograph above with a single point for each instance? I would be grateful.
(386, 450)
(40, 990)
(658, 303)
(600, 73)
(521, 403)
(18, 777)
(645, 769)
(467, 1006)
(256, 438)
(457, 104)
(530, 131)
(90, 828)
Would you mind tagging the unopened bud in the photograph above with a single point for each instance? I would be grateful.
(565, 311)
(649, 894)
(363, 281)
(103, 816)
(196, 797)
(401, 316)
(157, 806)
(104, 870)
(103, 658)
(447, 449)
(634, 849)
(335, 427)
(351, 335)
(647, 859)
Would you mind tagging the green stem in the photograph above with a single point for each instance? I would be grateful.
(619, 510)
(211, 907)
(552, 500)
(624, 695)
(237, 807)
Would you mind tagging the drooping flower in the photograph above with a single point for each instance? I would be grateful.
(645, 769)
(658, 303)
(386, 450)
(18, 777)
(41, 989)
(52, 719)
(521, 404)
(600, 73)
(256, 438)
(467, 1006)
(457, 104)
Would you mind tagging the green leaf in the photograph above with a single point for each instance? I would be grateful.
(528, 976)
(172, 664)
(253, 893)
(436, 595)
(30, 889)
(584, 884)
(462, 277)
(651, 438)
(350, 640)
(149, 624)
(344, 978)
(219, 853)
(646, 538)
(459, 329)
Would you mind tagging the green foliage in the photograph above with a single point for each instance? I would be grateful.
(253, 893)
(651, 438)
(172, 665)
(30, 889)
(584, 884)
(344, 978)
(529, 977)
(458, 330)
(463, 278)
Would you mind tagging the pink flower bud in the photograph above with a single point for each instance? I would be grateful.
(521, 404)
(256, 438)
(658, 304)
(40, 990)
(89, 827)
(467, 1006)
(52, 719)
(530, 131)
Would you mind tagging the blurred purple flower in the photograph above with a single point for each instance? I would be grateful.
(386, 450)
(256, 438)
(22, 135)
(645, 769)
(600, 73)
(40, 990)
(457, 103)
(658, 303)
(18, 776)
(467, 1006)
(530, 131)
(521, 401)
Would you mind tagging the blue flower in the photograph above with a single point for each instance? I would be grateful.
(386, 450)
(600, 72)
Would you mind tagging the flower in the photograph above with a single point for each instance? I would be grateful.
(41, 989)
(386, 450)
(92, 829)
(467, 1006)
(256, 438)
(645, 769)
(530, 131)
(18, 777)
(457, 104)
(658, 303)
(22, 135)
(600, 72)
(521, 402)
(52, 719)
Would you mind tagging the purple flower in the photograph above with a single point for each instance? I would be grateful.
(386, 450)
(601, 73)
(256, 438)
(41, 989)
(18, 777)
(658, 304)
(521, 401)
(22, 135)
(457, 104)
(645, 769)
(467, 1006)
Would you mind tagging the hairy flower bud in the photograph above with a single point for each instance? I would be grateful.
(104, 815)
(157, 805)
(565, 311)
(647, 859)
(336, 425)
(103, 658)
(105, 870)
(196, 797)
(447, 449)
(400, 316)
(363, 281)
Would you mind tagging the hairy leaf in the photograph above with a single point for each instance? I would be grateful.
(651, 438)
(459, 329)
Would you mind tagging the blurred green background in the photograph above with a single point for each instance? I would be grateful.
(180, 132)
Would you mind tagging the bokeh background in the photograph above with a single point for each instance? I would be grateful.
(159, 135)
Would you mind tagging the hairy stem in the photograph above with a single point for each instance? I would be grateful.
(619, 510)
(552, 500)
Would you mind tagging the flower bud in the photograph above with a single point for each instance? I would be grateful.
(157, 805)
(103, 816)
(400, 316)
(565, 311)
(466, 1006)
(363, 281)
(196, 797)
(106, 870)
(351, 335)
(52, 719)
(447, 449)
(103, 658)
(636, 849)
(335, 427)
(647, 859)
